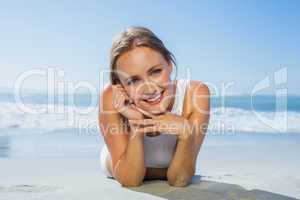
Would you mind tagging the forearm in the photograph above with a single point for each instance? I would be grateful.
(182, 165)
(130, 169)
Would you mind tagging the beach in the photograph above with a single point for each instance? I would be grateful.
(59, 60)
(64, 165)
(56, 155)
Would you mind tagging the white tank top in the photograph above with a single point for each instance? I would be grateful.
(158, 150)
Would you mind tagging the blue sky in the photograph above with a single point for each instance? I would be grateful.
(219, 41)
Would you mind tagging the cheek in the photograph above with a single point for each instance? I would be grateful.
(164, 76)
(165, 81)
(162, 79)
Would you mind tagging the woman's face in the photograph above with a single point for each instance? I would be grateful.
(145, 75)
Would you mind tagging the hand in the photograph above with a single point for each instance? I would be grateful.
(167, 123)
(149, 115)
(123, 104)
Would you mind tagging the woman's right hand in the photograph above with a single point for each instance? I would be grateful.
(121, 102)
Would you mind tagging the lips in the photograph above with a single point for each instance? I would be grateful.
(155, 100)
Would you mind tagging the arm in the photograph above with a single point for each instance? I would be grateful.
(130, 169)
(127, 154)
(182, 167)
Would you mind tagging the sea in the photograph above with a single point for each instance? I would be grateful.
(40, 125)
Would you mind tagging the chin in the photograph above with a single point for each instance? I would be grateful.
(156, 110)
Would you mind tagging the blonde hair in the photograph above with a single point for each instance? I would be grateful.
(136, 36)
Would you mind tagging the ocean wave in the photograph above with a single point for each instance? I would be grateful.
(229, 119)
(222, 119)
(46, 117)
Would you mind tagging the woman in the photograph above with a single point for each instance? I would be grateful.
(153, 127)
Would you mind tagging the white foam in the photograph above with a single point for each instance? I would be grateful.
(52, 118)
(222, 120)
(235, 119)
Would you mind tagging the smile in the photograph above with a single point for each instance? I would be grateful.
(155, 100)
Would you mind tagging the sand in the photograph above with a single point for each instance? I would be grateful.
(54, 178)
(206, 190)
(67, 166)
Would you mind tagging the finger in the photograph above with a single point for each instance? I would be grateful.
(119, 102)
(115, 87)
(122, 107)
(144, 112)
(142, 122)
(163, 115)
(119, 86)
(116, 102)
(147, 129)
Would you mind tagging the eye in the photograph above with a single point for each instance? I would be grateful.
(156, 71)
(132, 81)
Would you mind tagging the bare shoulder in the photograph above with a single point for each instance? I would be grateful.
(106, 93)
(107, 113)
(197, 94)
(198, 87)
(106, 97)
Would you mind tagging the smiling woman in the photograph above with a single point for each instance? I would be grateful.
(143, 101)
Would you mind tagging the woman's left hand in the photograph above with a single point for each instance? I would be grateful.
(167, 123)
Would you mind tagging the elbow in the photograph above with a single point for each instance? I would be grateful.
(127, 179)
(131, 182)
(180, 179)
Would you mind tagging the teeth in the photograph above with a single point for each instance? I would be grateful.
(154, 99)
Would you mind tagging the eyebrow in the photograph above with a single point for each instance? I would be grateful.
(149, 71)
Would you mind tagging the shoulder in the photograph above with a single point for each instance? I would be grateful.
(107, 91)
(197, 95)
(197, 87)
(106, 97)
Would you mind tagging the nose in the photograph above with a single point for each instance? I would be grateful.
(150, 89)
